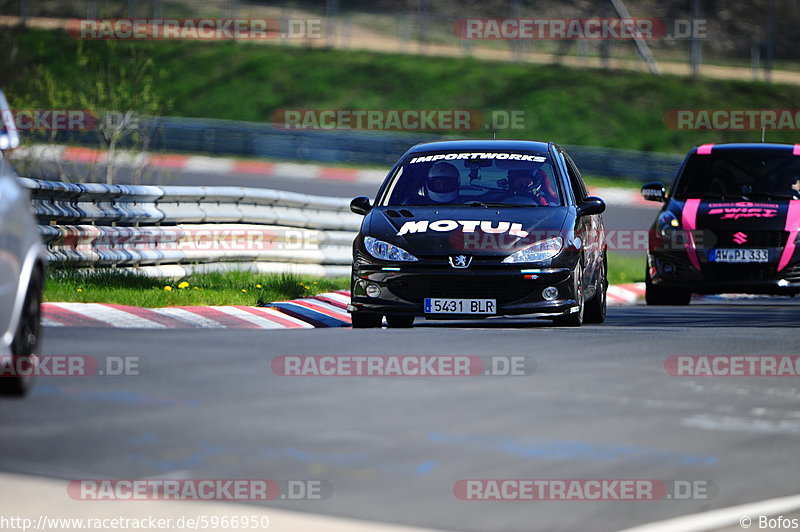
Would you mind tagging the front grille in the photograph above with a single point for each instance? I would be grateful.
(502, 288)
(754, 239)
(738, 272)
(792, 273)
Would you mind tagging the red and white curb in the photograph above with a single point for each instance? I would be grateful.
(324, 310)
(624, 294)
(223, 166)
(203, 164)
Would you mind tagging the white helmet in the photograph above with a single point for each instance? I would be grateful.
(443, 182)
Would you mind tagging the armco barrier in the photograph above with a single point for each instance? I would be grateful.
(252, 139)
(172, 230)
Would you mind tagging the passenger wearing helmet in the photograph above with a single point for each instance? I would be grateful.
(793, 179)
(531, 184)
(443, 183)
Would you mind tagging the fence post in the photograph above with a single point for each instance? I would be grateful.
(696, 43)
(768, 51)
(24, 12)
(331, 16)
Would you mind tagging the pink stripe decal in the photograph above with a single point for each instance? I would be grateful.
(689, 223)
(793, 226)
(796, 150)
(705, 149)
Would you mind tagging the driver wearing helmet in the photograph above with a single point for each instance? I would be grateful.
(443, 183)
(533, 184)
(794, 180)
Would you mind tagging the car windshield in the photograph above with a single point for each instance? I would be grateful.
(479, 178)
(749, 173)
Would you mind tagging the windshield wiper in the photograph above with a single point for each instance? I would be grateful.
(487, 204)
(722, 197)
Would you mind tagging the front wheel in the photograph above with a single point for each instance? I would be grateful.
(26, 339)
(660, 295)
(365, 320)
(574, 319)
(596, 307)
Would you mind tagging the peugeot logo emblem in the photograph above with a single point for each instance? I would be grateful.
(460, 261)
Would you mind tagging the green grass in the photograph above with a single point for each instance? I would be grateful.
(230, 288)
(248, 81)
(603, 182)
(626, 268)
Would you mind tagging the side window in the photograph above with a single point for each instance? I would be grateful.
(575, 180)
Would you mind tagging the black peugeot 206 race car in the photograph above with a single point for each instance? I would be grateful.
(729, 224)
(473, 229)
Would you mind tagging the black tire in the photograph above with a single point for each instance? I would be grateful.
(660, 295)
(26, 339)
(365, 320)
(595, 311)
(574, 319)
(400, 322)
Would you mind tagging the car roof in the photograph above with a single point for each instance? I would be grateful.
(484, 144)
(735, 146)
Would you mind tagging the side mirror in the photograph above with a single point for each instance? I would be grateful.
(9, 138)
(654, 192)
(360, 205)
(591, 205)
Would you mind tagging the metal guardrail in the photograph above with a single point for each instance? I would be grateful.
(252, 139)
(88, 224)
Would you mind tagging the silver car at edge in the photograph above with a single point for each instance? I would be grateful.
(22, 270)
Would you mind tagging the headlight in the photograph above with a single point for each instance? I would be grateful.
(386, 251)
(667, 222)
(538, 251)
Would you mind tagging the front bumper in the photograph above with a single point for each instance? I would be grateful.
(674, 269)
(517, 290)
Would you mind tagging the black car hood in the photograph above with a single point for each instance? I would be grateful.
(464, 229)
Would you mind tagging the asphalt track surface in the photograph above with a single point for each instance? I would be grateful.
(599, 405)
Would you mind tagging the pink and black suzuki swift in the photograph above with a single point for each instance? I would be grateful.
(730, 224)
